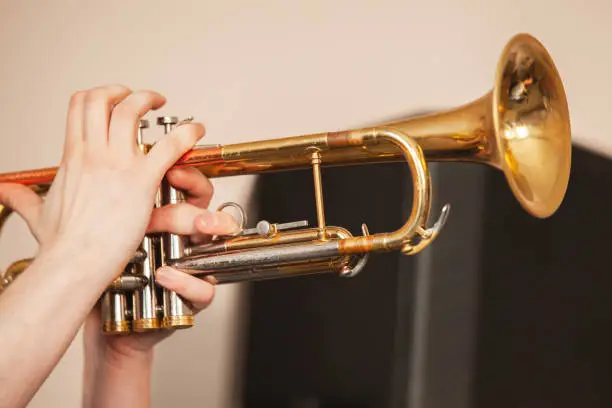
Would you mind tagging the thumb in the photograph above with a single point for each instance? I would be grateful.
(23, 201)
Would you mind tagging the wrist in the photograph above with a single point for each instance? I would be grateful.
(127, 361)
(110, 365)
(82, 263)
(114, 378)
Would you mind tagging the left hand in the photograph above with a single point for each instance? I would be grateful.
(191, 219)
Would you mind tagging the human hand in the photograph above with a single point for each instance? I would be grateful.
(93, 219)
(118, 367)
(101, 200)
(191, 219)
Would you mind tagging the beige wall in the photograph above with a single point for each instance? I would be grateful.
(254, 69)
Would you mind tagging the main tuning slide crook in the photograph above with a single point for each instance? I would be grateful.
(427, 235)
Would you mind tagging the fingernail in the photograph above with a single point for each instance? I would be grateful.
(206, 220)
(201, 223)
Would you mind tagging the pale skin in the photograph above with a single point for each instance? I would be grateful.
(99, 207)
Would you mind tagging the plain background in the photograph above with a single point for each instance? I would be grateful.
(252, 70)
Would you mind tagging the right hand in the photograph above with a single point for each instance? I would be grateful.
(102, 198)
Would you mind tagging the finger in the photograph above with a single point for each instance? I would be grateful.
(216, 223)
(74, 126)
(174, 218)
(197, 187)
(196, 291)
(55, 198)
(170, 148)
(125, 119)
(99, 103)
(209, 224)
(24, 202)
(187, 219)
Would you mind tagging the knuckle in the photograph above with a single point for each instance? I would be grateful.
(132, 106)
(97, 97)
(7, 200)
(103, 95)
(7, 195)
(115, 90)
(76, 99)
(146, 95)
(124, 112)
(191, 132)
(119, 88)
(178, 144)
(139, 101)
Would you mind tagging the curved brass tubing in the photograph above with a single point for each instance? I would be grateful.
(421, 200)
(521, 127)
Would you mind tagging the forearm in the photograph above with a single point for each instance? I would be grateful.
(117, 381)
(40, 314)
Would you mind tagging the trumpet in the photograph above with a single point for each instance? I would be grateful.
(521, 127)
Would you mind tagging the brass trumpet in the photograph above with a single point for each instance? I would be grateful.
(521, 127)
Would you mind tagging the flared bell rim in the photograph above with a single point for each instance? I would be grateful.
(532, 130)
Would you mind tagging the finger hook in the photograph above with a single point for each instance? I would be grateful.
(429, 234)
(243, 217)
(362, 259)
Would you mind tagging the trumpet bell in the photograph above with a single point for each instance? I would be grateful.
(532, 126)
